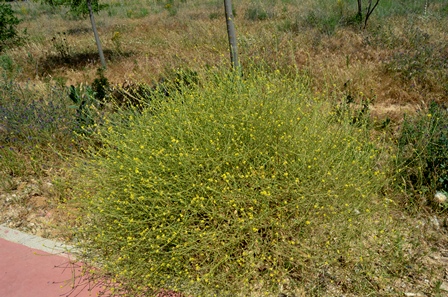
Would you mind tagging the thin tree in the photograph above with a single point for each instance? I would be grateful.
(359, 14)
(95, 33)
(83, 7)
(369, 11)
(233, 46)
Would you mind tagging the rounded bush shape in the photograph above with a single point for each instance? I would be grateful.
(236, 186)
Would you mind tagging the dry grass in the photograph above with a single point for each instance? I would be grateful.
(196, 37)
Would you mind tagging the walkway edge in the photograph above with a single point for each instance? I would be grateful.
(35, 242)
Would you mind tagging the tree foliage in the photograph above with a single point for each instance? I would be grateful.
(77, 7)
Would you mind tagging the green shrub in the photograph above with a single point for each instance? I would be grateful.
(423, 150)
(8, 24)
(100, 85)
(232, 187)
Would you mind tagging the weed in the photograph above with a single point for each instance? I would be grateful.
(117, 42)
(61, 46)
(355, 108)
(88, 100)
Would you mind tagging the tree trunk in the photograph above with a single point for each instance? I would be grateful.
(95, 32)
(359, 14)
(369, 11)
(232, 34)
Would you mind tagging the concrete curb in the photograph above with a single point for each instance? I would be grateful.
(35, 242)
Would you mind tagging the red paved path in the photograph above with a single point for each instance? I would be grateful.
(27, 272)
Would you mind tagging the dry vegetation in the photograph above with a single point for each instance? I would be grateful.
(142, 41)
(398, 65)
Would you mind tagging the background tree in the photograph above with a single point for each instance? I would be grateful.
(82, 8)
(370, 8)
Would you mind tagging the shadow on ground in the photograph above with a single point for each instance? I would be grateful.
(78, 61)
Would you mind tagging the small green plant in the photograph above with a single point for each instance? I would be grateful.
(78, 8)
(423, 150)
(88, 100)
(444, 10)
(84, 101)
(100, 85)
(112, 11)
(117, 42)
(8, 26)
